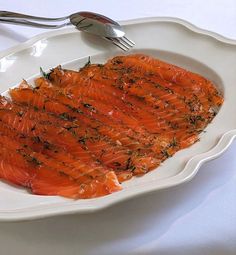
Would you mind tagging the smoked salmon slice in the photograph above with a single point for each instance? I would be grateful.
(80, 134)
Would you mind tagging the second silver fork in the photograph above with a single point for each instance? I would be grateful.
(84, 21)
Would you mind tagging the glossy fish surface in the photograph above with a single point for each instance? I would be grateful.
(80, 134)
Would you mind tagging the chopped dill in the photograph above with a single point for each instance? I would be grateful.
(44, 74)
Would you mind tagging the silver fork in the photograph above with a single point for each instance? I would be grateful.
(89, 22)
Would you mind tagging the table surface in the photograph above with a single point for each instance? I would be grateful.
(198, 217)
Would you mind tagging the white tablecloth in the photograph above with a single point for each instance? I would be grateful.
(198, 217)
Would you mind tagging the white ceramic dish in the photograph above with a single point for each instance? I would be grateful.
(170, 39)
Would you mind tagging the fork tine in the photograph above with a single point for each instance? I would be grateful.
(124, 43)
(128, 41)
(121, 42)
(118, 44)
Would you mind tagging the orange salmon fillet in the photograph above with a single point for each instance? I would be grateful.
(80, 134)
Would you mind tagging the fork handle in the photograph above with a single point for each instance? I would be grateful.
(31, 24)
(15, 15)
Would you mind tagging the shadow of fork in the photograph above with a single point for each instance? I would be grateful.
(11, 34)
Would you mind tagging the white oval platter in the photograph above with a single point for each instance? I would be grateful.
(169, 39)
